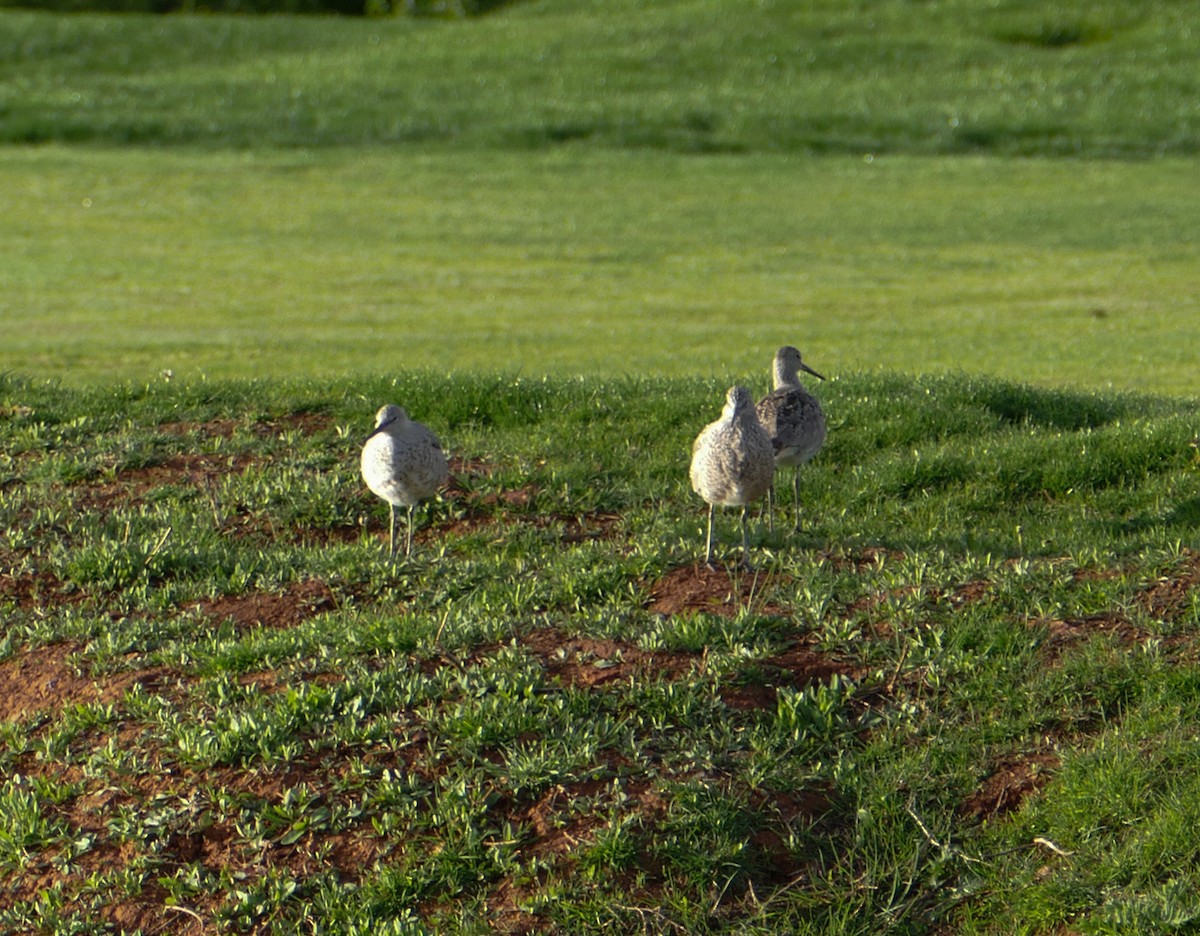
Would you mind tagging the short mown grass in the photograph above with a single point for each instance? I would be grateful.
(963, 698)
(601, 263)
(618, 188)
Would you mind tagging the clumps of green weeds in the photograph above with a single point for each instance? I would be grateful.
(283, 730)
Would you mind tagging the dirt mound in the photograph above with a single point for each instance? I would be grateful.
(1013, 778)
(1170, 596)
(294, 605)
(700, 588)
(50, 678)
(582, 661)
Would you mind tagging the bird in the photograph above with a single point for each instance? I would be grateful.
(733, 463)
(402, 462)
(793, 419)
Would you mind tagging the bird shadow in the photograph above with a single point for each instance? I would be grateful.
(1183, 516)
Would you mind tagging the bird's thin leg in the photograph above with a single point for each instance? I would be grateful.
(408, 538)
(392, 532)
(708, 542)
(771, 507)
(745, 538)
(796, 494)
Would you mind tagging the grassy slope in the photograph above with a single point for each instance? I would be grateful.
(532, 190)
(861, 77)
(223, 680)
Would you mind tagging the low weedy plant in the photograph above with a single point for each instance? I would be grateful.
(964, 697)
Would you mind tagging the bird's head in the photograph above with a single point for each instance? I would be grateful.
(389, 415)
(788, 364)
(737, 401)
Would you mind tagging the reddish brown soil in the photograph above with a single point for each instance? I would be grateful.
(185, 469)
(795, 668)
(957, 597)
(863, 561)
(51, 678)
(1013, 779)
(1065, 634)
(581, 661)
(294, 605)
(196, 469)
(42, 589)
(1169, 597)
(694, 588)
(209, 840)
(303, 423)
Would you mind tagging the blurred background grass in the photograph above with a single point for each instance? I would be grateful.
(572, 186)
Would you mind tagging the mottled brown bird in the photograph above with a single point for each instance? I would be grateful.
(732, 462)
(793, 420)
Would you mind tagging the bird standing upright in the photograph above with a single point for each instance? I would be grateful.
(402, 462)
(732, 462)
(793, 419)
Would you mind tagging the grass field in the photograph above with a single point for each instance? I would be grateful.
(964, 698)
(1079, 79)
(616, 188)
(276, 264)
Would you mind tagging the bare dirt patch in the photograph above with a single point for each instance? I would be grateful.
(1063, 634)
(968, 593)
(305, 423)
(583, 661)
(46, 679)
(184, 468)
(205, 839)
(471, 510)
(1014, 778)
(294, 605)
(37, 590)
(202, 470)
(796, 668)
(597, 525)
(557, 830)
(1170, 597)
(209, 429)
(190, 469)
(870, 558)
(956, 597)
(694, 588)
(784, 810)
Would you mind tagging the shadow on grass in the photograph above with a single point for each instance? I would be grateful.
(1184, 516)
(1057, 409)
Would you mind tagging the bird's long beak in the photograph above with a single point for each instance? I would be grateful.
(804, 367)
(377, 430)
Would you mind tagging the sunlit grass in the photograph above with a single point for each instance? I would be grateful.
(990, 576)
(1099, 79)
(602, 263)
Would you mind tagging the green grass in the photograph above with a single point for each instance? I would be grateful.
(573, 261)
(605, 188)
(963, 698)
(1016, 78)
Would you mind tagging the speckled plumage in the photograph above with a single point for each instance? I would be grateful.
(732, 462)
(793, 419)
(402, 462)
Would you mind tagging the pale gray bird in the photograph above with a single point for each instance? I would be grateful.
(793, 419)
(402, 462)
(732, 462)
